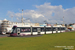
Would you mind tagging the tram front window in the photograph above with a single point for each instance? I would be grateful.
(13, 30)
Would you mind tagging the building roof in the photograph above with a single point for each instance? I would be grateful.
(5, 20)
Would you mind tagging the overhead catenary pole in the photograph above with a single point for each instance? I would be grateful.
(22, 16)
(63, 20)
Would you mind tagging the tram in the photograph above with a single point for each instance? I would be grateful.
(35, 30)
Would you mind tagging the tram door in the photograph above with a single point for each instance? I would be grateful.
(18, 31)
(38, 30)
(56, 30)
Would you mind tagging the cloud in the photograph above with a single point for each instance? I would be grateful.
(10, 14)
(48, 12)
(37, 15)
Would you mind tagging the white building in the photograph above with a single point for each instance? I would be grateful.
(6, 26)
(0, 25)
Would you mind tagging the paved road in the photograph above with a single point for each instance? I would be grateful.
(7, 35)
(4, 35)
(27, 36)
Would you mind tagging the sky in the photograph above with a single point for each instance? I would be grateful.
(38, 11)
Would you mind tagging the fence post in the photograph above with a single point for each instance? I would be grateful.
(31, 31)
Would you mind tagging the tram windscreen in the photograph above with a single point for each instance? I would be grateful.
(14, 29)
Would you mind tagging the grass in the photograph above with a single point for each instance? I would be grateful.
(45, 42)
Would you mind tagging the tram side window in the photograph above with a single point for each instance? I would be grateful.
(62, 28)
(58, 29)
(48, 29)
(34, 29)
(54, 29)
(25, 29)
(42, 29)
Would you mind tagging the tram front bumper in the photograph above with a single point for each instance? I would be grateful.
(15, 34)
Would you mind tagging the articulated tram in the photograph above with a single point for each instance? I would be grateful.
(35, 30)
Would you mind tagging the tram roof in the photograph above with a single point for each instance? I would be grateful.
(40, 26)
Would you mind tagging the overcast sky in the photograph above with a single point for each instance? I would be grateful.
(38, 11)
